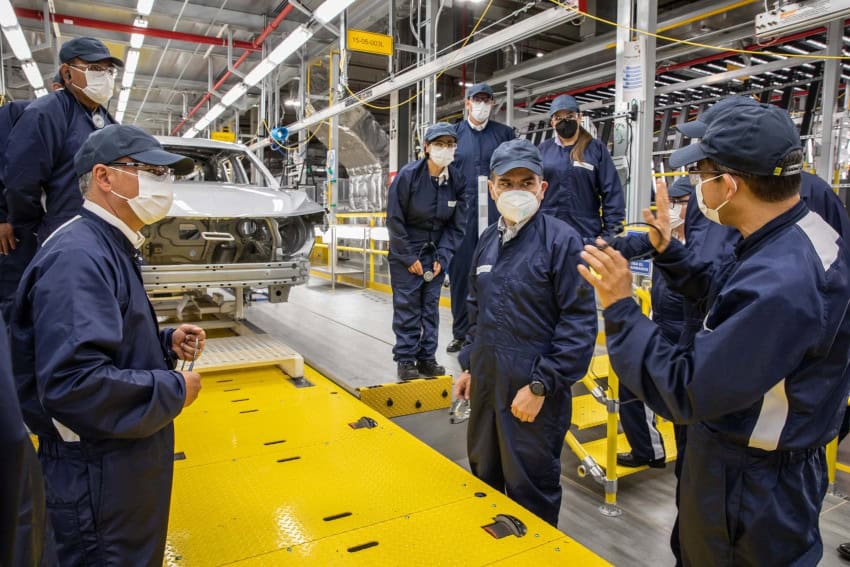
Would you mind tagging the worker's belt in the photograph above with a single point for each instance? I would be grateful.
(777, 457)
(58, 449)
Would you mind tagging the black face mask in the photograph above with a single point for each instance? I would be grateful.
(567, 128)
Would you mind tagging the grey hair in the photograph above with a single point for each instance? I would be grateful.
(85, 183)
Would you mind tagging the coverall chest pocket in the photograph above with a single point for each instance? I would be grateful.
(446, 202)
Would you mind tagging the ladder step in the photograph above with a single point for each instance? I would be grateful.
(598, 449)
(587, 412)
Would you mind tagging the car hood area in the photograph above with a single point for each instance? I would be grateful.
(223, 200)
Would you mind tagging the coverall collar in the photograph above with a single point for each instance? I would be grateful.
(789, 217)
(136, 238)
(480, 127)
(510, 232)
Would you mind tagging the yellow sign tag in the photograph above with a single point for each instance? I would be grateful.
(369, 42)
(223, 136)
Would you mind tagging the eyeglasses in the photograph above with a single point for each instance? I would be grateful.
(160, 171)
(97, 69)
(695, 175)
(562, 117)
(444, 145)
(482, 98)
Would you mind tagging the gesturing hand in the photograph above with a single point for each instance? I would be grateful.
(612, 278)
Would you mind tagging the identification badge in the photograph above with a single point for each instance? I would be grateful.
(486, 269)
(98, 121)
(452, 203)
(585, 165)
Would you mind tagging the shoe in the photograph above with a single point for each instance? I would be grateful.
(455, 345)
(629, 460)
(844, 551)
(407, 370)
(430, 368)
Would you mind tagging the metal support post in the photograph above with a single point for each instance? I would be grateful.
(333, 163)
(642, 182)
(429, 90)
(391, 32)
(831, 75)
(509, 104)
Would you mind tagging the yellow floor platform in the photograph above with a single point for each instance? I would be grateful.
(269, 473)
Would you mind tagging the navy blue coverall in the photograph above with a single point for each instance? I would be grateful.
(25, 537)
(579, 190)
(638, 421)
(41, 159)
(472, 157)
(760, 387)
(530, 319)
(426, 222)
(710, 242)
(13, 265)
(96, 385)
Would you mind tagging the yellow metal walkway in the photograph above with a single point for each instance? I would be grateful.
(270, 473)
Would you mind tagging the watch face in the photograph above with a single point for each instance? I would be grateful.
(538, 389)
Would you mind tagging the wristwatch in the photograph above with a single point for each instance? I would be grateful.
(537, 388)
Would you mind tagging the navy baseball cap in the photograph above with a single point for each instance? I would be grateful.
(88, 49)
(563, 102)
(751, 139)
(116, 141)
(514, 154)
(440, 129)
(680, 188)
(696, 128)
(479, 88)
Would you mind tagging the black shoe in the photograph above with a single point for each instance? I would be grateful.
(455, 345)
(844, 551)
(629, 460)
(430, 368)
(407, 370)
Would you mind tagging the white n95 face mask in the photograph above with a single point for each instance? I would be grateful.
(711, 214)
(442, 156)
(517, 205)
(154, 199)
(481, 111)
(676, 219)
(99, 86)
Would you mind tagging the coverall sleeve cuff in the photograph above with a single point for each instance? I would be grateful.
(463, 357)
(618, 313)
(171, 356)
(673, 254)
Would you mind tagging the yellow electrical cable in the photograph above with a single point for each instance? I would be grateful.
(296, 146)
(437, 76)
(694, 43)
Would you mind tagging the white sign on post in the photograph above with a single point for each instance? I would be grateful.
(633, 71)
(483, 204)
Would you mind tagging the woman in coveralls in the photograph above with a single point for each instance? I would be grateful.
(584, 190)
(425, 218)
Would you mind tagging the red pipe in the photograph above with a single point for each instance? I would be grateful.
(256, 44)
(116, 27)
(692, 62)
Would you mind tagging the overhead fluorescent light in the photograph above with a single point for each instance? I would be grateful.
(330, 9)
(291, 102)
(137, 39)
(215, 112)
(119, 116)
(8, 18)
(290, 45)
(259, 72)
(202, 124)
(30, 69)
(130, 66)
(191, 133)
(40, 93)
(144, 7)
(18, 42)
(234, 94)
(123, 99)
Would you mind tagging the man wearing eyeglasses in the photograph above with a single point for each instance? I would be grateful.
(94, 374)
(477, 137)
(41, 186)
(762, 385)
